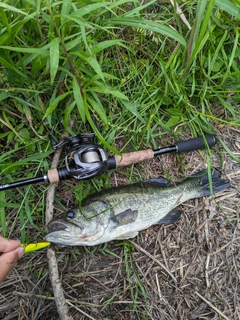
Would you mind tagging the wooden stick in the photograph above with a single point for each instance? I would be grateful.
(154, 259)
(212, 306)
(60, 301)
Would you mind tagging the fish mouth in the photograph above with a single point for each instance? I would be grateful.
(66, 233)
(62, 233)
(59, 225)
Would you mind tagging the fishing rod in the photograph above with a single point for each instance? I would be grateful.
(84, 159)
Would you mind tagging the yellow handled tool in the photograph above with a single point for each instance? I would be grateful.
(35, 246)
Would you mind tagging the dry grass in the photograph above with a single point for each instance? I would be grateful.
(189, 270)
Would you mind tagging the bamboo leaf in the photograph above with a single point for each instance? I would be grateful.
(151, 26)
(200, 33)
(36, 51)
(88, 9)
(206, 19)
(139, 8)
(54, 59)
(7, 35)
(6, 61)
(77, 20)
(7, 123)
(98, 134)
(66, 5)
(103, 45)
(108, 90)
(229, 151)
(54, 104)
(79, 99)
(93, 63)
(28, 214)
(133, 110)
(100, 5)
(196, 25)
(98, 107)
(11, 8)
(229, 7)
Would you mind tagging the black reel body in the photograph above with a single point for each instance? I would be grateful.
(84, 158)
(86, 161)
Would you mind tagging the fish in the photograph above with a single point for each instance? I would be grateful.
(120, 213)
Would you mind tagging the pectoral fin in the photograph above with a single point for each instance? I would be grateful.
(125, 217)
(171, 217)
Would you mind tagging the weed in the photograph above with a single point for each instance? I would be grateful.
(134, 66)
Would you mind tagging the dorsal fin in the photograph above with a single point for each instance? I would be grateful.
(158, 182)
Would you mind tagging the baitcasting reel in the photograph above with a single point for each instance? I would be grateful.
(84, 158)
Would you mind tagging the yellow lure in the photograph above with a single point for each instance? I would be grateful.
(35, 246)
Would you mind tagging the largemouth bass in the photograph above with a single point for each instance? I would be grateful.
(121, 212)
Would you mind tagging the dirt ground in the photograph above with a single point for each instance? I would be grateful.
(188, 270)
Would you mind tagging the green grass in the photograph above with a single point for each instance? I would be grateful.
(137, 69)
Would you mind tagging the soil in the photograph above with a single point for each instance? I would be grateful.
(187, 270)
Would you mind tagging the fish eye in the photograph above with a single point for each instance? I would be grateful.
(71, 214)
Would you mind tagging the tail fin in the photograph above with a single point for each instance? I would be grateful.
(217, 184)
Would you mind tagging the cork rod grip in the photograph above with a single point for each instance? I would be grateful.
(127, 159)
(53, 175)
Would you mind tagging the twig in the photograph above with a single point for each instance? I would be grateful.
(212, 306)
(80, 310)
(161, 297)
(220, 249)
(60, 300)
(40, 296)
(206, 271)
(154, 259)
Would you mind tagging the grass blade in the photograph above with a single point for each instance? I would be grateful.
(11, 8)
(36, 51)
(54, 59)
(55, 103)
(98, 107)
(232, 56)
(229, 7)
(108, 90)
(199, 33)
(104, 45)
(98, 134)
(2, 213)
(237, 159)
(151, 26)
(79, 99)
(93, 63)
